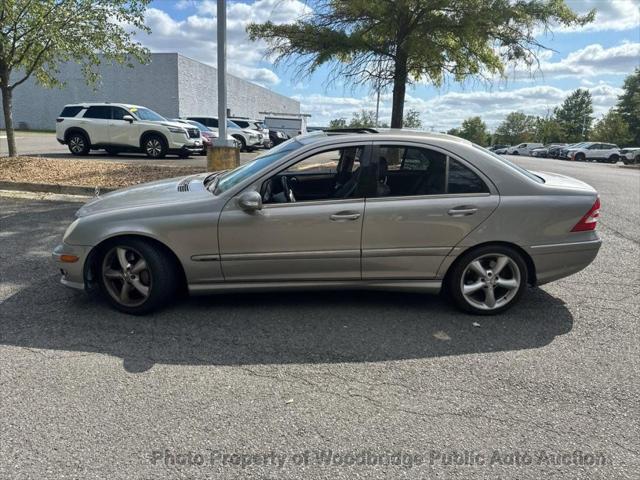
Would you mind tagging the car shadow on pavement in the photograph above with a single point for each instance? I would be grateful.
(275, 328)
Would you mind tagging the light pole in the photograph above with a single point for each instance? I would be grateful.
(222, 75)
(224, 154)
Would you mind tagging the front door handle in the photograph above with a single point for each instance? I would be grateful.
(344, 216)
(463, 211)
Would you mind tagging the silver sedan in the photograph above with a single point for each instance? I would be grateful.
(395, 211)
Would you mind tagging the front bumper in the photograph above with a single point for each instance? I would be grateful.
(72, 272)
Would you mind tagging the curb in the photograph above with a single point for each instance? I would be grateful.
(635, 166)
(52, 188)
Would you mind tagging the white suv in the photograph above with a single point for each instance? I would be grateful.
(249, 139)
(593, 151)
(523, 148)
(119, 127)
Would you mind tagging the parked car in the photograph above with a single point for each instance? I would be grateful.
(209, 135)
(630, 155)
(249, 139)
(119, 127)
(564, 152)
(498, 146)
(595, 152)
(501, 151)
(295, 218)
(277, 137)
(256, 125)
(554, 150)
(544, 151)
(523, 148)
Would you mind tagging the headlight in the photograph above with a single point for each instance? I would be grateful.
(177, 130)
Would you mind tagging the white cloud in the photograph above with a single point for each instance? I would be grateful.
(610, 15)
(195, 36)
(448, 110)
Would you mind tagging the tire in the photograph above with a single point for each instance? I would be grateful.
(243, 144)
(516, 153)
(136, 276)
(614, 159)
(78, 144)
(579, 157)
(505, 289)
(154, 146)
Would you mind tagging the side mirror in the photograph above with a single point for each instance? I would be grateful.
(250, 201)
(127, 118)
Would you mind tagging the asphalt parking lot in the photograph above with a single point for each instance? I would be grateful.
(294, 385)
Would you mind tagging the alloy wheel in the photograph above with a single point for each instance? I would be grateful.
(76, 144)
(490, 281)
(154, 147)
(126, 276)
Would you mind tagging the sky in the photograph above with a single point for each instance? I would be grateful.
(596, 57)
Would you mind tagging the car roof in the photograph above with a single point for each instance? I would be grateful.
(100, 104)
(390, 134)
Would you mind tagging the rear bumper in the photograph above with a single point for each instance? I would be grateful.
(556, 261)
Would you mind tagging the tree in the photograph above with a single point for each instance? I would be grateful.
(575, 116)
(412, 119)
(612, 128)
(629, 104)
(548, 130)
(474, 130)
(38, 35)
(383, 43)
(516, 128)
(363, 119)
(337, 123)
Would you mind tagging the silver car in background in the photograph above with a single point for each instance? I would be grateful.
(380, 210)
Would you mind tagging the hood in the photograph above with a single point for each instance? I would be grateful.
(171, 190)
(168, 123)
(562, 181)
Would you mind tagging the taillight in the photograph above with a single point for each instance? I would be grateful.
(590, 219)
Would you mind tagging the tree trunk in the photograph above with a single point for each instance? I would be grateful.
(8, 119)
(400, 77)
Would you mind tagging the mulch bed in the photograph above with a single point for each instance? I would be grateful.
(85, 173)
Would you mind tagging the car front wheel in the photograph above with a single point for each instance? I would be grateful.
(136, 276)
(155, 146)
(488, 280)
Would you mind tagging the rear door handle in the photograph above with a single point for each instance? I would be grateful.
(463, 211)
(344, 216)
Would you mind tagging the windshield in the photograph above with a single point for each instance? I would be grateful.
(237, 175)
(200, 126)
(512, 165)
(146, 114)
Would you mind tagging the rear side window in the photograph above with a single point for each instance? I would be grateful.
(70, 111)
(98, 111)
(463, 180)
(406, 171)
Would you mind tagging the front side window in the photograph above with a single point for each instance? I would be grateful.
(148, 115)
(331, 174)
(119, 113)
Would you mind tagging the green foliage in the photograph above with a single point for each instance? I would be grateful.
(629, 104)
(391, 43)
(575, 116)
(612, 128)
(548, 130)
(472, 129)
(516, 128)
(363, 119)
(36, 36)
(412, 119)
(338, 123)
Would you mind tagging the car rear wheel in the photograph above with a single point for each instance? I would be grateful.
(78, 144)
(136, 276)
(154, 146)
(488, 280)
(580, 157)
(614, 159)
